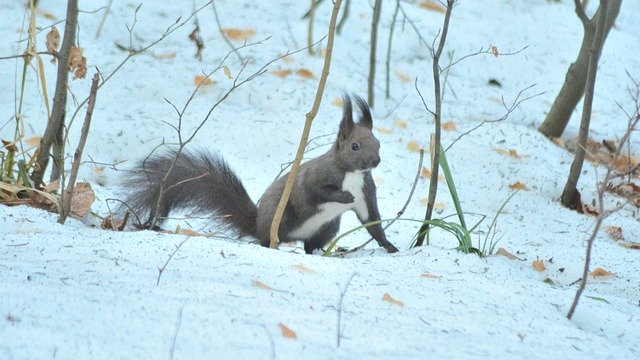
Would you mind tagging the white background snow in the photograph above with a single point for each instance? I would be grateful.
(75, 291)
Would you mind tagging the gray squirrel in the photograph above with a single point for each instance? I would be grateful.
(325, 188)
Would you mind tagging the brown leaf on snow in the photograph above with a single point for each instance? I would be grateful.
(400, 123)
(413, 146)
(590, 209)
(227, 72)
(305, 74)
(402, 76)
(77, 63)
(449, 126)
(502, 251)
(518, 186)
(165, 56)
(439, 207)
(287, 332)
(110, 223)
(600, 272)
(303, 269)
(433, 6)
(383, 130)
(494, 51)
(386, 297)
(430, 276)
(538, 265)
(83, 197)
(283, 73)
(52, 186)
(238, 34)
(201, 80)
(614, 232)
(511, 153)
(337, 102)
(262, 285)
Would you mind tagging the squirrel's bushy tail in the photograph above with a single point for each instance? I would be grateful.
(200, 181)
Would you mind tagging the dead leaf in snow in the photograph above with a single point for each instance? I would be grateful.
(283, 73)
(430, 276)
(502, 251)
(400, 123)
(449, 126)
(538, 265)
(238, 34)
(287, 332)
(262, 285)
(303, 269)
(83, 198)
(600, 272)
(413, 146)
(386, 297)
(201, 80)
(518, 186)
(305, 74)
(433, 6)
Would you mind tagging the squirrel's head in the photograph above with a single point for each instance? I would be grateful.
(357, 148)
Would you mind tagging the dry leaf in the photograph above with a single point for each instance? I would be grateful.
(430, 276)
(433, 6)
(45, 14)
(34, 141)
(165, 56)
(337, 102)
(388, 298)
(424, 201)
(189, 232)
(287, 59)
(518, 186)
(512, 153)
(400, 123)
(402, 76)
(505, 253)
(494, 51)
(52, 186)
(262, 285)
(53, 42)
(589, 209)
(305, 74)
(383, 130)
(449, 126)
(538, 265)
(9, 145)
(281, 73)
(201, 80)
(109, 223)
(378, 180)
(439, 207)
(614, 232)
(98, 169)
(303, 269)
(227, 72)
(600, 272)
(286, 332)
(426, 174)
(77, 63)
(413, 146)
(238, 34)
(83, 197)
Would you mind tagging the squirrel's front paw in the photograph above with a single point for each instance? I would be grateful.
(344, 197)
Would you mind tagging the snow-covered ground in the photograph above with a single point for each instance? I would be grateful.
(75, 291)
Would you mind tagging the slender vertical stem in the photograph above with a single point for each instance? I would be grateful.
(277, 217)
(377, 6)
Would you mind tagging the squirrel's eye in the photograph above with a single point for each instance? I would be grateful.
(355, 146)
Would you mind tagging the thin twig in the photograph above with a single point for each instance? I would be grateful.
(312, 15)
(284, 199)
(163, 267)
(224, 36)
(435, 156)
(104, 19)
(343, 292)
(373, 45)
(176, 332)
(77, 156)
(389, 46)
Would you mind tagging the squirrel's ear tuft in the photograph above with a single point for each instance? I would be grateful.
(365, 113)
(346, 125)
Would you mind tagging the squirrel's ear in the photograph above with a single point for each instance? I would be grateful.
(365, 113)
(346, 125)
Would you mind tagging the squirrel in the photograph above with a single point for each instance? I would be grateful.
(325, 188)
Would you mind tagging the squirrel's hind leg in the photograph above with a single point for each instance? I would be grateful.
(324, 235)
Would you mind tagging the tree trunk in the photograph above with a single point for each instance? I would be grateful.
(56, 121)
(574, 84)
(570, 192)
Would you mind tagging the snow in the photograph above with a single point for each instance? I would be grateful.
(75, 291)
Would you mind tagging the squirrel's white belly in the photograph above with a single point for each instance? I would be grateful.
(353, 183)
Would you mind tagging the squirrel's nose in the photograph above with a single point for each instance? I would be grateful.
(375, 161)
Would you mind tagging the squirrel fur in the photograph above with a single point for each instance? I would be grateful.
(325, 188)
